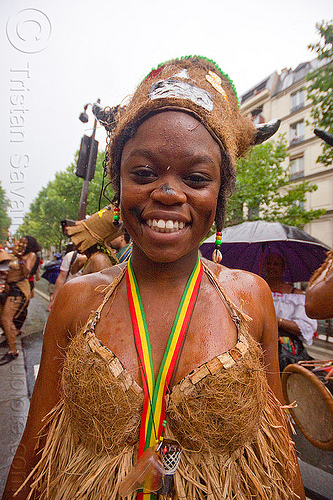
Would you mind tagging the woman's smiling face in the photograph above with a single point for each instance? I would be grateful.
(170, 180)
(22, 246)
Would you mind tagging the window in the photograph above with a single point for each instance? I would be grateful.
(297, 100)
(296, 167)
(296, 132)
(257, 116)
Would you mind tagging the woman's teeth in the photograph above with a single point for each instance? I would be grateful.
(165, 226)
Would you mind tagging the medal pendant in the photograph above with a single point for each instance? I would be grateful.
(170, 457)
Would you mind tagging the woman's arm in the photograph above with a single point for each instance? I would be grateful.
(319, 296)
(46, 392)
(27, 263)
(269, 342)
(255, 299)
(266, 332)
(289, 326)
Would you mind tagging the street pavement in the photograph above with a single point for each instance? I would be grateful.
(18, 378)
(17, 381)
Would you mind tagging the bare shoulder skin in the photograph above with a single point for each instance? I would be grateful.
(97, 262)
(252, 295)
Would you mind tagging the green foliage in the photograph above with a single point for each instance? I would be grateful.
(263, 186)
(320, 91)
(4, 217)
(60, 200)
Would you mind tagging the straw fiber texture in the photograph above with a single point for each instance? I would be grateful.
(225, 122)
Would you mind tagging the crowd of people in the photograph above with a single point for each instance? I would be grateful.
(160, 376)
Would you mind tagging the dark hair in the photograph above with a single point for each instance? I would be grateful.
(126, 236)
(32, 245)
(228, 175)
(69, 247)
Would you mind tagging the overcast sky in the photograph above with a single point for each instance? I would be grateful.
(59, 55)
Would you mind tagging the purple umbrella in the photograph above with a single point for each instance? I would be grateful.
(246, 245)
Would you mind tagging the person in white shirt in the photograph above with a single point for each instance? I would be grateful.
(295, 327)
(65, 274)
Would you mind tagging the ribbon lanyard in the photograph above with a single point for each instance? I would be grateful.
(153, 414)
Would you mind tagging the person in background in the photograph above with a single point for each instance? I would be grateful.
(123, 247)
(97, 259)
(52, 271)
(67, 273)
(88, 237)
(24, 263)
(92, 238)
(294, 326)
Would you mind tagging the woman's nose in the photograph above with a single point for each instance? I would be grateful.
(169, 193)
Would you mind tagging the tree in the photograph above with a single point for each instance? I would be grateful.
(320, 91)
(4, 217)
(60, 200)
(263, 188)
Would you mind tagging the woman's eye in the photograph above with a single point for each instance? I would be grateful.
(197, 180)
(144, 174)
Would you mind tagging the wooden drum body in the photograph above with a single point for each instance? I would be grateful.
(313, 395)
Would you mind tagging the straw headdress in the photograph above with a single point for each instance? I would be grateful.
(196, 86)
(96, 229)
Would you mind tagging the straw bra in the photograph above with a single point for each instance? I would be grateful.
(231, 428)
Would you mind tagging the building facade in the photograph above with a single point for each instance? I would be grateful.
(284, 96)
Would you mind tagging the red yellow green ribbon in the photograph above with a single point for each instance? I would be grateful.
(153, 413)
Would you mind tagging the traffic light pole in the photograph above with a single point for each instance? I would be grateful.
(85, 187)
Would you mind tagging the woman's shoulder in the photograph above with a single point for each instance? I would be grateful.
(246, 290)
(81, 295)
(236, 279)
(251, 295)
(97, 262)
(89, 282)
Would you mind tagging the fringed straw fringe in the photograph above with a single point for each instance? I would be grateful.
(68, 471)
(261, 470)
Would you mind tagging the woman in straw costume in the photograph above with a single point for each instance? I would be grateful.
(24, 263)
(164, 390)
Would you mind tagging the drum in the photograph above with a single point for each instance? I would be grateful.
(310, 384)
